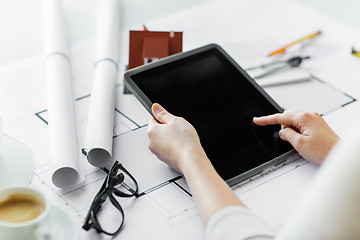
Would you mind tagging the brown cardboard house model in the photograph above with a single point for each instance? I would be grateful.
(147, 46)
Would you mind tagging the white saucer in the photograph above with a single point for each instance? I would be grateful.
(61, 224)
(16, 163)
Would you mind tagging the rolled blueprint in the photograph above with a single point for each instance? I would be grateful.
(331, 207)
(99, 132)
(66, 165)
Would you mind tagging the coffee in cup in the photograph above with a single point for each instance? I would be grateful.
(20, 207)
(23, 211)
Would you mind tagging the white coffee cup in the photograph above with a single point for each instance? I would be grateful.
(29, 229)
(0, 137)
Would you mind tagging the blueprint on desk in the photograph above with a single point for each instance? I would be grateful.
(165, 198)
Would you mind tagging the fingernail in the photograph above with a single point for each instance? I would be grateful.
(280, 133)
(157, 108)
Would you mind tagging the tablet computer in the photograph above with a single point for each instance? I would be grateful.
(212, 92)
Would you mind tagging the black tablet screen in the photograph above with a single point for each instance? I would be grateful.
(220, 102)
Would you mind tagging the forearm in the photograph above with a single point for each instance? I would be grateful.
(208, 189)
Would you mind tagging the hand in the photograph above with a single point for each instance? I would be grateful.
(176, 142)
(173, 140)
(307, 132)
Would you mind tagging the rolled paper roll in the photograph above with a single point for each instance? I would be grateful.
(99, 132)
(64, 150)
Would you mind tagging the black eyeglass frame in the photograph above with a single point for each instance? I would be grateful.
(106, 191)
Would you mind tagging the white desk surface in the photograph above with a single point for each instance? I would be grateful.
(20, 35)
(160, 214)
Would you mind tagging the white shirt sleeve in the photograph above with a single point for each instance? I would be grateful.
(237, 223)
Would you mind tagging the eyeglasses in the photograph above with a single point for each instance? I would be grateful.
(115, 183)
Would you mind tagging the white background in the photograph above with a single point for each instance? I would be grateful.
(20, 20)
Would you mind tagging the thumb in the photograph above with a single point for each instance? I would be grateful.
(290, 135)
(161, 114)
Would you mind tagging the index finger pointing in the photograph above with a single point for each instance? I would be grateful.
(286, 119)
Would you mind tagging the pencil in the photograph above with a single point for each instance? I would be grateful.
(355, 52)
(283, 49)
